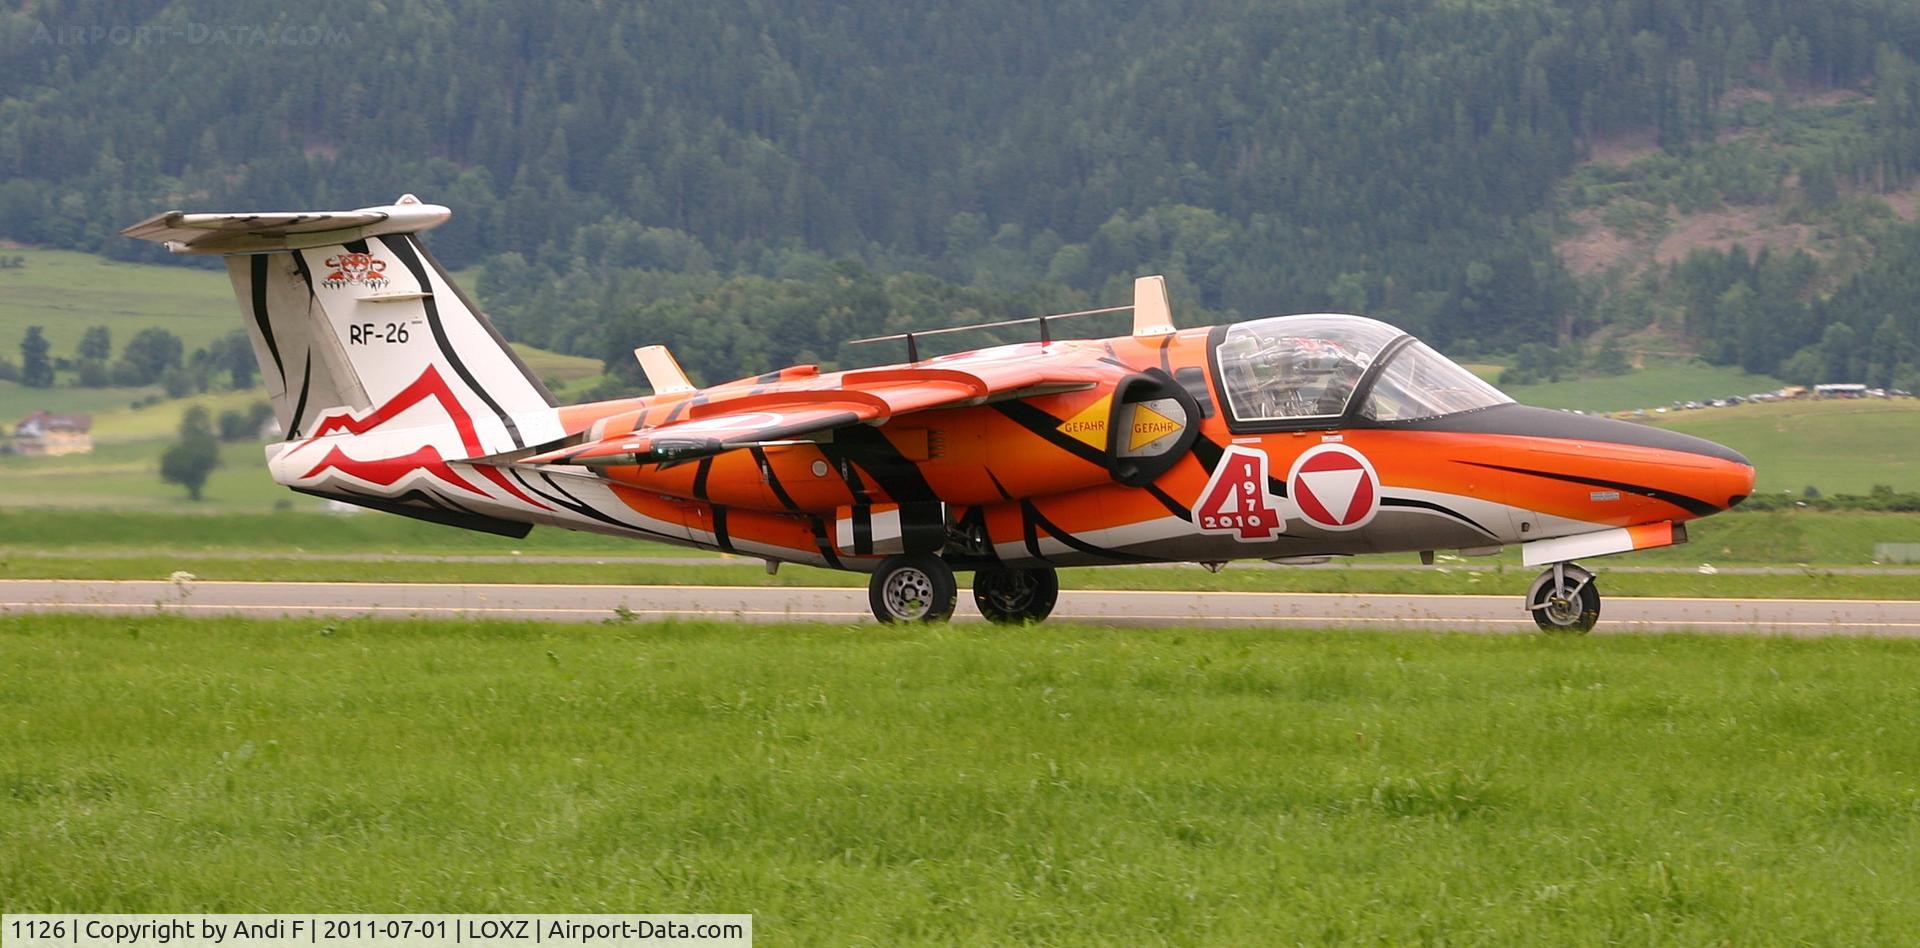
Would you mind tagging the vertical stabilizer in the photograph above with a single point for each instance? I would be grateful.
(380, 321)
(356, 325)
(387, 380)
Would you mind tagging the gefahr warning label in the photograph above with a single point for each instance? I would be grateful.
(1089, 425)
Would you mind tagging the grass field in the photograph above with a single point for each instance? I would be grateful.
(125, 476)
(161, 420)
(83, 531)
(1842, 446)
(65, 292)
(566, 376)
(18, 401)
(1657, 384)
(973, 785)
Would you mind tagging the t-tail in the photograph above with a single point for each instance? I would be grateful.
(385, 377)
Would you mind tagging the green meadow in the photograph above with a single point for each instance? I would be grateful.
(1658, 383)
(18, 401)
(269, 533)
(124, 476)
(64, 292)
(568, 377)
(1064, 785)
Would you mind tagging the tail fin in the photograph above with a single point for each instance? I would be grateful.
(355, 324)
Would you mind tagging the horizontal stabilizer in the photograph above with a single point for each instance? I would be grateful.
(293, 230)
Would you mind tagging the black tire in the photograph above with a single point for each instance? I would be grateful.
(913, 588)
(1571, 608)
(1014, 596)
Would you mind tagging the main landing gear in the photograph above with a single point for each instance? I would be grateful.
(920, 587)
(1013, 596)
(913, 587)
(1564, 599)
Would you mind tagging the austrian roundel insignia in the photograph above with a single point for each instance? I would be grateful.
(1334, 487)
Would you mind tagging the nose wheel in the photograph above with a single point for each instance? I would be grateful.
(1013, 596)
(915, 587)
(1564, 599)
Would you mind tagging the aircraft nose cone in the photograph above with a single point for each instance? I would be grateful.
(1740, 478)
(1726, 480)
(1696, 474)
(1717, 475)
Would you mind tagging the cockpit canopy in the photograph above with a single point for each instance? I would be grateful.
(1305, 371)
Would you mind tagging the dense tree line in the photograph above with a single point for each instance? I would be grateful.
(1759, 312)
(644, 166)
(153, 356)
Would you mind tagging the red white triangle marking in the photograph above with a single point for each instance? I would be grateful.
(1334, 487)
(1334, 490)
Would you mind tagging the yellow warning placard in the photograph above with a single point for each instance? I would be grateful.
(1149, 426)
(1090, 425)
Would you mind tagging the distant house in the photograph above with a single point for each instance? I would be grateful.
(45, 433)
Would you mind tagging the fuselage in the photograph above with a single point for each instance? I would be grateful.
(1175, 450)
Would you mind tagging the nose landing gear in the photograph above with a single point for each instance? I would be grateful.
(1564, 599)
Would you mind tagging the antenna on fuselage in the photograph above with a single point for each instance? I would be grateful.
(1151, 317)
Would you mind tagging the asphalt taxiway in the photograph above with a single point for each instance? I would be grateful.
(849, 605)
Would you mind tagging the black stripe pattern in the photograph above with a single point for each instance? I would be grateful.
(1698, 508)
(258, 276)
(402, 249)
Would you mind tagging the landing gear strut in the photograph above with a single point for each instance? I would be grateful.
(915, 587)
(1013, 596)
(1564, 599)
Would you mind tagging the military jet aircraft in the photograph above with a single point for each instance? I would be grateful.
(1291, 439)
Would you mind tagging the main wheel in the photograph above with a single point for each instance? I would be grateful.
(1013, 596)
(913, 588)
(1565, 599)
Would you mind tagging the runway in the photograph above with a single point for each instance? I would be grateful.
(849, 605)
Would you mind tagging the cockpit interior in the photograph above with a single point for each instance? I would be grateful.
(1289, 372)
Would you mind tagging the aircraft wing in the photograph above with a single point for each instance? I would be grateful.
(871, 397)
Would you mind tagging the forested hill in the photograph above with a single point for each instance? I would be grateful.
(1400, 158)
